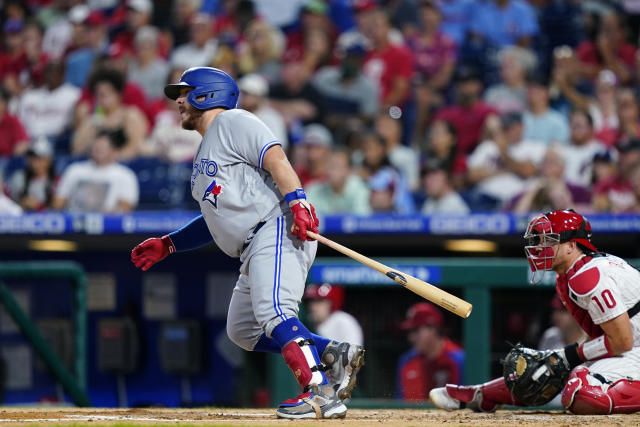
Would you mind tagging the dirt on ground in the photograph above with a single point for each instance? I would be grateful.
(266, 417)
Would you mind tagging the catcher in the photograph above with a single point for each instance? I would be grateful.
(602, 292)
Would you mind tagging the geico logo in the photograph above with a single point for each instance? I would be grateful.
(54, 224)
(476, 224)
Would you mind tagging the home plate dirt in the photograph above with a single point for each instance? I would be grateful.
(266, 417)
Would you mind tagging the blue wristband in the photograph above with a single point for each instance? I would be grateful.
(295, 195)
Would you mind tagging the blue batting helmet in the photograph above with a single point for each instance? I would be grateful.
(218, 88)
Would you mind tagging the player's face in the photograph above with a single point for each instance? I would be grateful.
(319, 310)
(189, 116)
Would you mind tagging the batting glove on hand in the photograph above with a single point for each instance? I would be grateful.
(304, 218)
(152, 251)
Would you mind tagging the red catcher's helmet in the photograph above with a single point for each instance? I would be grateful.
(333, 293)
(548, 229)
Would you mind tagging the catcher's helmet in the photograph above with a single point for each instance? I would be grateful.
(548, 229)
(333, 293)
(218, 88)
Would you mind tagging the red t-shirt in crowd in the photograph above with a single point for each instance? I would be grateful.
(11, 133)
(587, 52)
(619, 192)
(417, 375)
(432, 56)
(468, 123)
(383, 67)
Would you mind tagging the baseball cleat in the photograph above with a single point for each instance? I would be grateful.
(343, 361)
(441, 399)
(317, 402)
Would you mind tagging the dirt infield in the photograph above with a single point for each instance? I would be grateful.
(266, 417)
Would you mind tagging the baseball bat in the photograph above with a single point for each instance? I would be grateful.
(420, 287)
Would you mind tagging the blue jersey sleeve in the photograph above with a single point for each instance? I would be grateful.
(192, 236)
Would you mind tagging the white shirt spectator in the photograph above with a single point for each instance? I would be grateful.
(151, 78)
(88, 187)
(452, 203)
(579, 161)
(275, 122)
(407, 162)
(341, 326)
(47, 112)
(548, 127)
(8, 206)
(507, 185)
(189, 55)
(170, 141)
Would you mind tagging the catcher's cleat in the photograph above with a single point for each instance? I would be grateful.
(441, 399)
(316, 402)
(343, 361)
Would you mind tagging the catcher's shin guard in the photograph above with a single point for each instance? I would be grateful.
(582, 398)
(485, 397)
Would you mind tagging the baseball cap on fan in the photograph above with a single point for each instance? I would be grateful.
(422, 314)
(142, 6)
(254, 84)
(317, 134)
(40, 147)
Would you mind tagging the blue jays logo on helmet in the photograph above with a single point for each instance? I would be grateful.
(211, 194)
(211, 88)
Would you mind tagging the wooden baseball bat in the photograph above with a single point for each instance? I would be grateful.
(420, 287)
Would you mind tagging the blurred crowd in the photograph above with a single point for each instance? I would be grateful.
(384, 106)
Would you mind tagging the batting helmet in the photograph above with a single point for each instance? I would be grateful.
(333, 293)
(218, 88)
(551, 228)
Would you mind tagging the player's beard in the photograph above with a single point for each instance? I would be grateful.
(194, 115)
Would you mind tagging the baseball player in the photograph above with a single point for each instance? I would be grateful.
(325, 303)
(250, 198)
(602, 292)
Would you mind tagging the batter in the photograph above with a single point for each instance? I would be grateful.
(254, 208)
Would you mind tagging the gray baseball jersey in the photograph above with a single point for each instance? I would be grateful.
(248, 218)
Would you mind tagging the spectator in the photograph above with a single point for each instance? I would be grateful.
(138, 14)
(260, 52)
(616, 194)
(628, 114)
(581, 149)
(604, 167)
(365, 15)
(433, 360)
(236, 17)
(13, 137)
(279, 13)
(201, 48)
(389, 65)
(504, 22)
(469, 113)
(438, 187)
(348, 92)
(296, 98)
(184, 11)
(33, 186)
(634, 180)
(565, 329)
(24, 66)
(602, 107)
(541, 123)
(48, 110)
(254, 90)
(168, 140)
(59, 31)
(8, 206)
(313, 43)
(343, 192)
(608, 50)
(511, 94)
(99, 184)
(389, 190)
(79, 62)
(325, 303)
(550, 191)
(434, 62)
(456, 16)
(501, 165)
(402, 158)
(111, 114)
(148, 70)
(316, 145)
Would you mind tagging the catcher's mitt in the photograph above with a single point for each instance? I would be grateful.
(535, 377)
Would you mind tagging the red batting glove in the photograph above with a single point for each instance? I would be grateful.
(304, 218)
(152, 251)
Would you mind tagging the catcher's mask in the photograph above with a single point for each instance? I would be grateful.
(550, 229)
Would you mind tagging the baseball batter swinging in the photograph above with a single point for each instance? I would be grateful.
(602, 293)
(250, 198)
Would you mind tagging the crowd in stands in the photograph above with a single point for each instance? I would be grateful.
(384, 106)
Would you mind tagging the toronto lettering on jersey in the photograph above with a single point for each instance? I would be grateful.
(205, 166)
